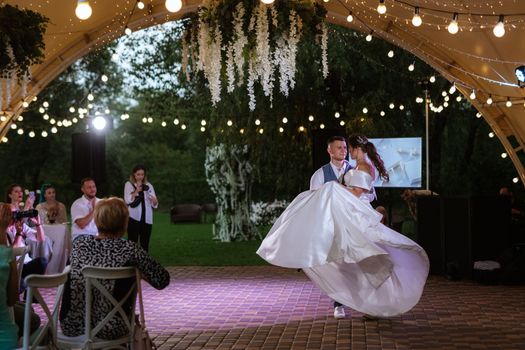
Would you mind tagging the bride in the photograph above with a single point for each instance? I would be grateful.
(335, 236)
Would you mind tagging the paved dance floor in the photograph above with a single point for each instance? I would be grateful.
(265, 307)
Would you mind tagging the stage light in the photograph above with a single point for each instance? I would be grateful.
(83, 10)
(416, 20)
(99, 123)
(453, 25)
(499, 28)
(173, 5)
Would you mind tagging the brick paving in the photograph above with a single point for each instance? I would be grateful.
(265, 307)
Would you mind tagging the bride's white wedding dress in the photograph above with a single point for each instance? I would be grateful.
(339, 242)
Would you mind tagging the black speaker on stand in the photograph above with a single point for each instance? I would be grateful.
(319, 138)
(88, 157)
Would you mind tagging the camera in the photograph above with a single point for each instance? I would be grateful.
(145, 187)
(19, 215)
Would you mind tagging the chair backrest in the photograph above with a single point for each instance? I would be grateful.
(34, 284)
(20, 254)
(94, 276)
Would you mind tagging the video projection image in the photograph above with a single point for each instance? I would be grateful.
(403, 160)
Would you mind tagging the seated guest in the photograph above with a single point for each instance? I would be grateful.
(20, 234)
(106, 249)
(8, 284)
(11, 287)
(82, 210)
(50, 210)
(15, 197)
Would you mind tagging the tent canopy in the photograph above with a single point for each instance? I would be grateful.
(474, 58)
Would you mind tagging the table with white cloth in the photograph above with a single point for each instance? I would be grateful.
(60, 241)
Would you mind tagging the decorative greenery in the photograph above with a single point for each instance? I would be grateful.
(230, 176)
(265, 214)
(21, 40)
(233, 39)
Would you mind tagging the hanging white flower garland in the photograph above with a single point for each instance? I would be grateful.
(262, 45)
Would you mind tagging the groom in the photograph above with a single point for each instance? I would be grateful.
(333, 171)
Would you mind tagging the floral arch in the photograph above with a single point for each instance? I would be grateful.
(473, 59)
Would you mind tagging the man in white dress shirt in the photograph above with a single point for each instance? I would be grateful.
(333, 171)
(82, 210)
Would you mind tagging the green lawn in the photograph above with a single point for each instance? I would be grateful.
(192, 244)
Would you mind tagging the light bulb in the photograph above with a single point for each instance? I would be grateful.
(140, 5)
(128, 31)
(321, 126)
(453, 25)
(473, 95)
(349, 18)
(104, 78)
(416, 20)
(369, 37)
(391, 53)
(489, 100)
(99, 123)
(31, 134)
(267, 2)
(83, 10)
(452, 89)
(515, 180)
(499, 28)
(491, 134)
(381, 8)
(173, 5)
(411, 67)
(504, 155)
(90, 97)
(432, 79)
(508, 103)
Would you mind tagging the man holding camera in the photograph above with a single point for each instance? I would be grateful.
(82, 210)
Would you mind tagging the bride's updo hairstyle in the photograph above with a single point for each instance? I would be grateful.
(360, 141)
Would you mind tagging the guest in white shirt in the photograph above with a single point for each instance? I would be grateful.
(82, 210)
(140, 197)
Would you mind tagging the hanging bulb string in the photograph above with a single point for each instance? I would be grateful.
(458, 11)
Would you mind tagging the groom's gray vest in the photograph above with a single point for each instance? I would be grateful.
(329, 174)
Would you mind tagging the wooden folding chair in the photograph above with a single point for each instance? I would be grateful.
(93, 277)
(48, 331)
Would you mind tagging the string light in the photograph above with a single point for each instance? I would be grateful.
(173, 5)
(365, 110)
(128, 31)
(411, 67)
(416, 20)
(321, 126)
(515, 180)
(508, 103)
(369, 36)
(452, 88)
(489, 100)
(453, 25)
(104, 78)
(504, 155)
(267, 2)
(337, 115)
(349, 18)
(229, 123)
(473, 94)
(311, 118)
(381, 8)
(285, 120)
(83, 10)
(491, 134)
(281, 129)
(391, 53)
(140, 5)
(499, 28)
(432, 79)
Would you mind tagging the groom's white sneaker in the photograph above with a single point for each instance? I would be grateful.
(339, 312)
